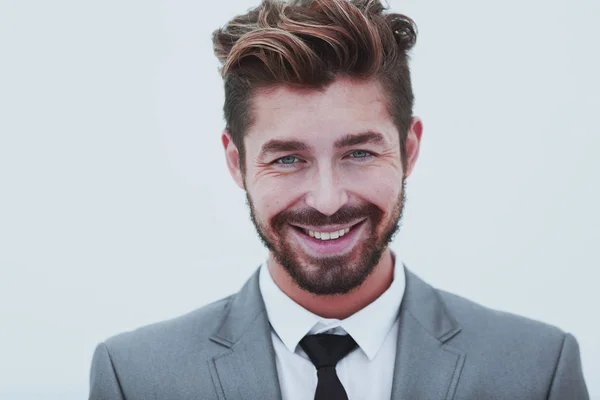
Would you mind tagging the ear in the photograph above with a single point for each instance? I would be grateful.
(232, 156)
(413, 144)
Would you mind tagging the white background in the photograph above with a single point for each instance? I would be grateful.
(116, 209)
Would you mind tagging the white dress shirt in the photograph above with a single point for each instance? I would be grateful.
(366, 373)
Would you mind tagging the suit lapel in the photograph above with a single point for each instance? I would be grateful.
(426, 367)
(246, 368)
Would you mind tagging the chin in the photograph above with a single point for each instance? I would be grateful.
(329, 275)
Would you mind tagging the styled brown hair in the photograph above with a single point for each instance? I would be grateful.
(307, 44)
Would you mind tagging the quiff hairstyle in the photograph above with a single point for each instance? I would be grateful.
(306, 44)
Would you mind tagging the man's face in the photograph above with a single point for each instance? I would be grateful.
(324, 181)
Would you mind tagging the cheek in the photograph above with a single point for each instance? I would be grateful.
(382, 188)
(270, 198)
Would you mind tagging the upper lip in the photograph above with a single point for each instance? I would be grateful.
(327, 228)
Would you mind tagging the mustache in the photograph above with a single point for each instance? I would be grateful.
(310, 216)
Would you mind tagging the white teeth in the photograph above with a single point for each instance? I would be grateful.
(328, 235)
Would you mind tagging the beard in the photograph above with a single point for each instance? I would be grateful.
(333, 274)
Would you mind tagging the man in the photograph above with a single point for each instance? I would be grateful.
(320, 135)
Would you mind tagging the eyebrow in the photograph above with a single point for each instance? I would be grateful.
(353, 139)
(282, 146)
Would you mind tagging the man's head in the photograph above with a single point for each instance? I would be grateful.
(320, 133)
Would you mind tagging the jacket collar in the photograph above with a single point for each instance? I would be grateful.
(426, 366)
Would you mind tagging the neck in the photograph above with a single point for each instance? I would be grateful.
(337, 306)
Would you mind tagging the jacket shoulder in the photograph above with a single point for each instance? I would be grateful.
(161, 359)
(509, 354)
(171, 336)
(479, 320)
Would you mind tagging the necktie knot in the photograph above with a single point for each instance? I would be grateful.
(326, 350)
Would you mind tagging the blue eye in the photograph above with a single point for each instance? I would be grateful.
(287, 160)
(360, 154)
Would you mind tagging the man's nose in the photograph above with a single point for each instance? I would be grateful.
(326, 194)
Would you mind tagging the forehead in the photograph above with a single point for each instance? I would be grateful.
(344, 107)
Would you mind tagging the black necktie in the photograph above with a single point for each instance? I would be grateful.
(325, 351)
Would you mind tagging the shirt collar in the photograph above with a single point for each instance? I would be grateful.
(368, 327)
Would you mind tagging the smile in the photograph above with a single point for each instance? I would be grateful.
(327, 235)
(329, 240)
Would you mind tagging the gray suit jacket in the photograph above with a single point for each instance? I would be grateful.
(448, 348)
